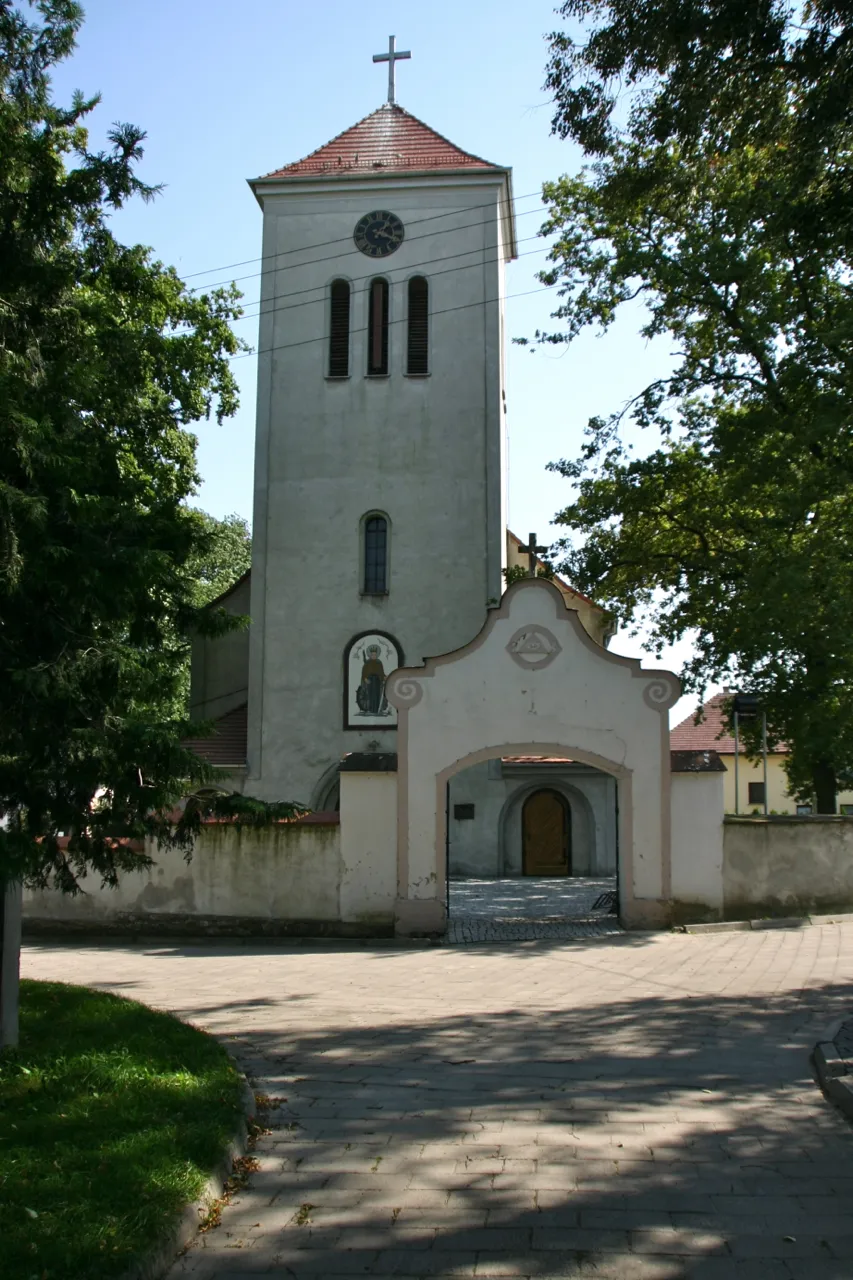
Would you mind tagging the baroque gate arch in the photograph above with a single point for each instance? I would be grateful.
(532, 680)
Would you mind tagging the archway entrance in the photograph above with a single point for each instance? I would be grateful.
(532, 848)
(532, 690)
(546, 834)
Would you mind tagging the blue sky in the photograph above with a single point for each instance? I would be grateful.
(227, 92)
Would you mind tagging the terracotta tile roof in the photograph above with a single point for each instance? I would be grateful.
(388, 140)
(689, 736)
(227, 746)
(709, 735)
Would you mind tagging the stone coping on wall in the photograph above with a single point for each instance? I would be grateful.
(781, 819)
(369, 762)
(696, 762)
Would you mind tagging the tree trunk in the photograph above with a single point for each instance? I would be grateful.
(10, 963)
(825, 786)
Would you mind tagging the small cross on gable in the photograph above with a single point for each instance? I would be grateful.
(392, 57)
(531, 551)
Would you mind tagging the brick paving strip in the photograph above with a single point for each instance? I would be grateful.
(631, 1108)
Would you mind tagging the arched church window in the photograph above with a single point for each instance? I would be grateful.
(375, 572)
(377, 328)
(417, 354)
(339, 330)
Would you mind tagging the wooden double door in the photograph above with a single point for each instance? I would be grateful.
(546, 834)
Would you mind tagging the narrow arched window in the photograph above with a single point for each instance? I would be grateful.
(339, 330)
(377, 328)
(375, 582)
(417, 355)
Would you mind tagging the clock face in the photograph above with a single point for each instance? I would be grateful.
(379, 233)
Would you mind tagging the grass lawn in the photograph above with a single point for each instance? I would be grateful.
(111, 1118)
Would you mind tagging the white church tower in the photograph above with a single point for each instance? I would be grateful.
(379, 509)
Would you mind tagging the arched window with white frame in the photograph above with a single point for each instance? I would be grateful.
(374, 554)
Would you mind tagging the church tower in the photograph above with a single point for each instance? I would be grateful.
(379, 508)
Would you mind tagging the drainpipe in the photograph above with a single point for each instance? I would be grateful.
(737, 789)
(764, 755)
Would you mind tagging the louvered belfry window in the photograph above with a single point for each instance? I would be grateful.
(375, 556)
(339, 330)
(377, 328)
(417, 362)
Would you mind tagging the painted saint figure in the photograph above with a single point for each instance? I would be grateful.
(370, 694)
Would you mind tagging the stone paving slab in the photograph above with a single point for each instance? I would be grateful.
(634, 1108)
(528, 909)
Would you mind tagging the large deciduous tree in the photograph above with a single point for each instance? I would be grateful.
(719, 195)
(105, 359)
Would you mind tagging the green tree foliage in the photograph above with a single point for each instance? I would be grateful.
(224, 554)
(517, 572)
(719, 196)
(105, 359)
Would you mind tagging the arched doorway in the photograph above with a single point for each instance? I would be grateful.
(546, 826)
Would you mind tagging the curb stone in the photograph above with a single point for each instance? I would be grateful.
(162, 1255)
(833, 1062)
(768, 922)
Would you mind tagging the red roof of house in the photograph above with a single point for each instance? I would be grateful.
(705, 736)
(389, 139)
(709, 734)
(227, 745)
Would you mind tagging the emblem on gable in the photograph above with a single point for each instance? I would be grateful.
(533, 647)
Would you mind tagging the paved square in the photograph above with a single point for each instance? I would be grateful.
(630, 1108)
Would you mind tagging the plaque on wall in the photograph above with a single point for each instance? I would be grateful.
(368, 662)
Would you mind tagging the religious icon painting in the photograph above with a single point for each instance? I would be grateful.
(368, 662)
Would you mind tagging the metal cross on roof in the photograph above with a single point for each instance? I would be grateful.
(391, 57)
(531, 551)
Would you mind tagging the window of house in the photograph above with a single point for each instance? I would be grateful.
(375, 582)
(339, 330)
(803, 810)
(417, 353)
(756, 793)
(847, 810)
(377, 328)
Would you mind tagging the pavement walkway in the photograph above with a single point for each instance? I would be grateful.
(630, 1108)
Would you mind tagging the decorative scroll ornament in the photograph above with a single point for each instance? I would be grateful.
(533, 647)
(405, 692)
(660, 694)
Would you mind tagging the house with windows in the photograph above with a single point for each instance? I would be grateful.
(743, 784)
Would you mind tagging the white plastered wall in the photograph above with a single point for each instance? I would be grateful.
(368, 847)
(580, 700)
(427, 451)
(697, 841)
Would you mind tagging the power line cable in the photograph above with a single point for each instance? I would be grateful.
(331, 257)
(347, 239)
(464, 306)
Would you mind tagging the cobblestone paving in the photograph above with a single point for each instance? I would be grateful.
(629, 1108)
(523, 909)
